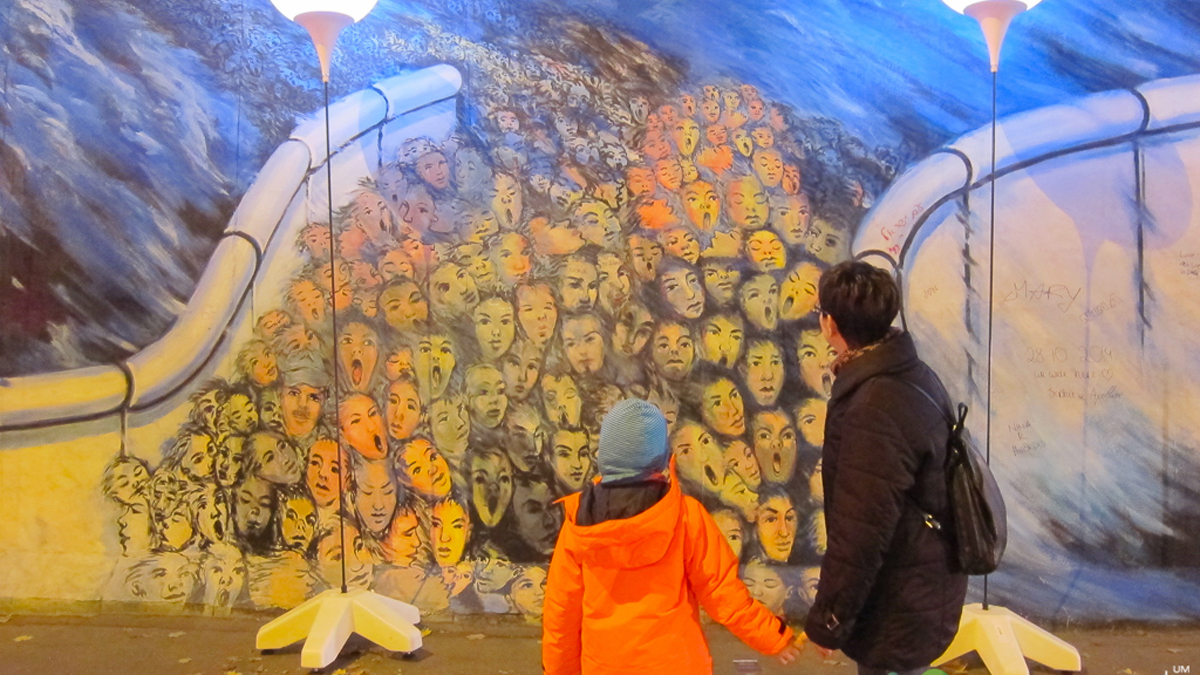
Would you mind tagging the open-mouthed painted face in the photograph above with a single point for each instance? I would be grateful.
(362, 426)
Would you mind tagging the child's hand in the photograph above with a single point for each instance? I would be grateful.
(789, 654)
(802, 641)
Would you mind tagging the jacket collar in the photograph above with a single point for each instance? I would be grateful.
(896, 354)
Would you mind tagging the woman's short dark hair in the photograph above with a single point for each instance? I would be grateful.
(862, 299)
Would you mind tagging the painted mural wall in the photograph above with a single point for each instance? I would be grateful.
(608, 217)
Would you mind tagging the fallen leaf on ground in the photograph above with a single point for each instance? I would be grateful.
(22, 638)
(176, 634)
(5, 618)
(1174, 650)
(476, 636)
(185, 660)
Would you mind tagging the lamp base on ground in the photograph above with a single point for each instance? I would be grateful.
(326, 621)
(1004, 640)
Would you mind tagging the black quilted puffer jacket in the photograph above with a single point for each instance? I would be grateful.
(887, 596)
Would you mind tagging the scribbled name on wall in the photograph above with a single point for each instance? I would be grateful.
(495, 294)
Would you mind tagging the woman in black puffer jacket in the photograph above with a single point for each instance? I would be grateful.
(889, 596)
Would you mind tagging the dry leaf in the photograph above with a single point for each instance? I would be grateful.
(1173, 650)
(185, 660)
(476, 636)
(176, 634)
(5, 618)
(22, 638)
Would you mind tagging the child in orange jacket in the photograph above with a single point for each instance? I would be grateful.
(635, 561)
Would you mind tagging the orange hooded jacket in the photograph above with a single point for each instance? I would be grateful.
(623, 596)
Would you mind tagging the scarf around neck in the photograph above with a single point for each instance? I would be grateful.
(851, 354)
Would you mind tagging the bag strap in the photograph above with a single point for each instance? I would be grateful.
(930, 521)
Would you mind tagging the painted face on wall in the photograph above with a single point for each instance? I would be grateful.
(681, 289)
(583, 343)
(616, 283)
(816, 359)
(315, 237)
(399, 364)
(435, 365)
(655, 147)
(763, 137)
(742, 142)
(418, 212)
(760, 301)
(730, 526)
(742, 462)
(776, 526)
(231, 461)
(485, 395)
(747, 203)
(721, 278)
(537, 312)
(686, 134)
(240, 414)
(765, 585)
(766, 251)
(297, 522)
(324, 471)
(471, 173)
(495, 327)
(722, 408)
(716, 134)
(669, 173)
(449, 531)
(362, 426)
(791, 217)
(763, 371)
(711, 109)
(598, 225)
(425, 469)
(358, 351)
(450, 426)
(511, 257)
(452, 291)
(126, 481)
(370, 213)
(165, 576)
(360, 564)
(768, 166)
(403, 542)
(634, 326)
(272, 323)
(721, 340)
(560, 398)
(810, 418)
(536, 515)
(307, 301)
(732, 100)
(826, 243)
(645, 254)
(403, 409)
(396, 264)
(698, 457)
(640, 180)
(673, 350)
(434, 170)
(529, 592)
(300, 405)
(757, 109)
(798, 292)
(791, 181)
(682, 243)
(571, 459)
(578, 285)
(253, 503)
(479, 264)
(403, 307)
(478, 224)
(669, 115)
(507, 200)
(270, 411)
(375, 496)
(199, 458)
(639, 108)
(702, 204)
(775, 445)
(491, 486)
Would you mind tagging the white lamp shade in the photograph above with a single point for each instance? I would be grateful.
(960, 6)
(355, 9)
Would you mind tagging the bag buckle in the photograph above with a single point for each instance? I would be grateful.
(932, 523)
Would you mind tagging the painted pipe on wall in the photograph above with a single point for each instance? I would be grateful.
(176, 359)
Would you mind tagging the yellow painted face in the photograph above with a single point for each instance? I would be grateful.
(686, 135)
(529, 591)
(537, 312)
(760, 301)
(810, 417)
(826, 243)
(485, 395)
(723, 409)
(711, 110)
(491, 486)
(721, 342)
(307, 301)
(425, 469)
(775, 445)
(616, 284)
(763, 371)
(681, 289)
(740, 460)
(798, 292)
(790, 218)
(403, 307)
(571, 458)
(732, 100)
(403, 409)
(375, 490)
(395, 264)
(816, 359)
(702, 204)
(765, 251)
(743, 142)
(768, 166)
(578, 285)
(673, 350)
(583, 344)
(730, 526)
(452, 290)
(358, 351)
(301, 408)
(645, 254)
(450, 425)
(507, 200)
(478, 262)
(435, 365)
(765, 585)
(776, 526)
(791, 179)
(748, 204)
(598, 225)
(681, 242)
(698, 457)
(763, 137)
(495, 327)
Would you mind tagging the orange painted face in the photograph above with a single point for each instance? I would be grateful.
(324, 470)
(425, 469)
(747, 204)
(702, 204)
(403, 409)
(362, 426)
(449, 531)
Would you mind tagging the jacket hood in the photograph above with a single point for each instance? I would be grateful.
(631, 542)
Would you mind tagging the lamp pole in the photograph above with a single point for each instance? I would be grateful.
(326, 621)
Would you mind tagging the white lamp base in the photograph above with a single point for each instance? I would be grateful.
(1004, 640)
(326, 621)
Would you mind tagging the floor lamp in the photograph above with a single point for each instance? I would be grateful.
(326, 621)
(1002, 638)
